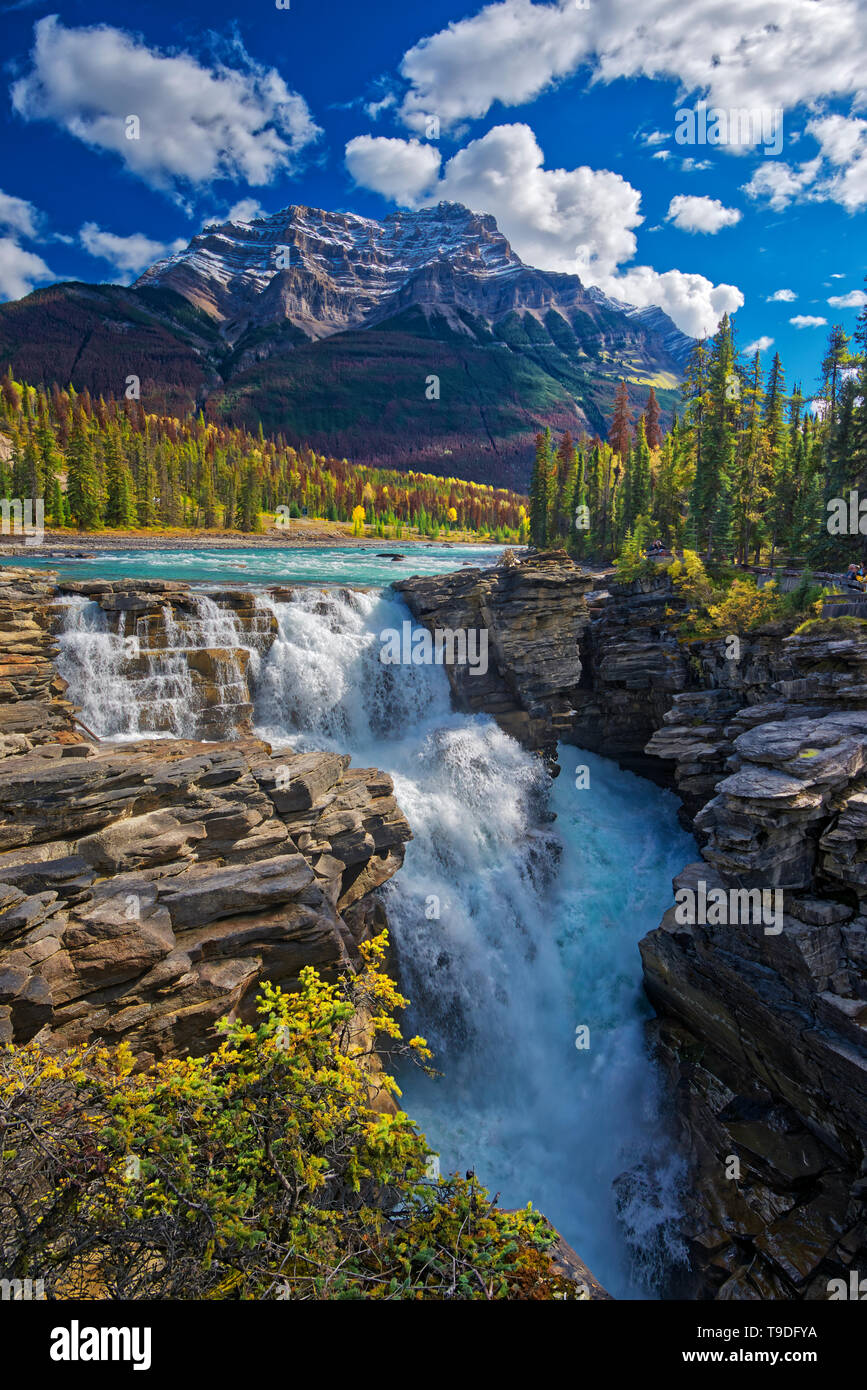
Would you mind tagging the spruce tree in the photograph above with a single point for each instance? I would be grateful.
(711, 502)
(651, 421)
(82, 482)
(540, 490)
(620, 434)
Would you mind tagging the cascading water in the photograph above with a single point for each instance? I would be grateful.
(128, 689)
(512, 930)
(513, 920)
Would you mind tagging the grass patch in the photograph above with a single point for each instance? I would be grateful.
(846, 626)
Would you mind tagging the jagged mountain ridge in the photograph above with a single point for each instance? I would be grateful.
(328, 326)
(344, 271)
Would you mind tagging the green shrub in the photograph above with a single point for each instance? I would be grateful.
(262, 1170)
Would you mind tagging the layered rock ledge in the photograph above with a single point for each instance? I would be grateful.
(146, 891)
(147, 888)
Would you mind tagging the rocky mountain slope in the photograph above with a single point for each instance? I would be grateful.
(328, 327)
(764, 1034)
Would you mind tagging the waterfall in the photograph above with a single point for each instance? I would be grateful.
(515, 918)
(134, 682)
(512, 930)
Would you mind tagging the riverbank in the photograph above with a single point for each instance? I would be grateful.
(297, 533)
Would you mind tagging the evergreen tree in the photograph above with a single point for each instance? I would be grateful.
(82, 483)
(776, 480)
(620, 433)
(541, 487)
(651, 421)
(249, 501)
(711, 501)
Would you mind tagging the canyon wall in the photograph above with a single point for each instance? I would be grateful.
(764, 1033)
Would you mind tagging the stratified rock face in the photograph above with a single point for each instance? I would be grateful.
(146, 889)
(533, 614)
(571, 657)
(779, 1016)
(32, 707)
(764, 1031)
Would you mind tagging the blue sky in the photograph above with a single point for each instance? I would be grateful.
(559, 118)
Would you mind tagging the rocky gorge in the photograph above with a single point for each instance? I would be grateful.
(150, 884)
(764, 1036)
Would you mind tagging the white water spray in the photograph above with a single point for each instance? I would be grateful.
(512, 929)
(128, 689)
(511, 932)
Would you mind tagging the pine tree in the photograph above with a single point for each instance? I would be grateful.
(82, 483)
(859, 458)
(776, 484)
(651, 421)
(745, 493)
(249, 501)
(620, 434)
(711, 501)
(641, 470)
(696, 397)
(540, 490)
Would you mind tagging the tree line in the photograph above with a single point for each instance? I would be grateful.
(100, 463)
(750, 470)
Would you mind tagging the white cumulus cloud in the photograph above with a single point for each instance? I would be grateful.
(127, 254)
(807, 321)
(837, 174)
(693, 302)
(246, 210)
(855, 299)
(781, 297)
(781, 53)
(780, 184)
(197, 123)
(581, 221)
(760, 345)
(399, 169)
(20, 270)
(18, 215)
(691, 213)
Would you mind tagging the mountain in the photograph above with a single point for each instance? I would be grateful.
(329, 327)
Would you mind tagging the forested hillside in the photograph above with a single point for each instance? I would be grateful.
(107, 463)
